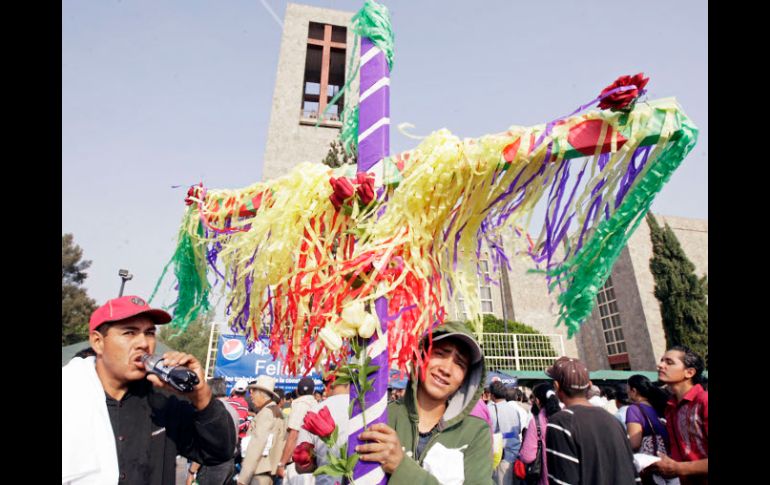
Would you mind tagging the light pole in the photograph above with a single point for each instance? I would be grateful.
(124, 276)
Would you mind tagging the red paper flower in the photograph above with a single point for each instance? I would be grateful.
(303, 455)
(320, 423)
(343, 190)
(192, 192)
(365, 187)
(622, 99)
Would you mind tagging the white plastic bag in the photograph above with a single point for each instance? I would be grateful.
(446, 464)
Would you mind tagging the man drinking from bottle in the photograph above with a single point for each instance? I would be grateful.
(121, 424)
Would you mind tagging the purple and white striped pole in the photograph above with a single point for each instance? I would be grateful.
(373, 147)
(373, 107)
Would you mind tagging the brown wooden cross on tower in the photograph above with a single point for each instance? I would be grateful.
(326, 45)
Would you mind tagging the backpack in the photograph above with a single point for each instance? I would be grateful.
(535, 469)
(530, 472)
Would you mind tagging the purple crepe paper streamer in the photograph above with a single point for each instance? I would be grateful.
(552, 242)
(632, 172)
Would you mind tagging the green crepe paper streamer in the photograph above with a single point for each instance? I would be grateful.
(190, 270)
(372, 21)
(591, 266)
(349, 132)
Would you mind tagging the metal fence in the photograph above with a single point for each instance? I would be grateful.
(520, 351)
(516, 351)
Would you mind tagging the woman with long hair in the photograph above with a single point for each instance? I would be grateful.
(622, 402)
(544, 404)
(643, 417)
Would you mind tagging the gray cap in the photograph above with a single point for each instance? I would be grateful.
(473, 346)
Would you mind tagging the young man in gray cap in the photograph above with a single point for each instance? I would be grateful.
(585, 444)
(431, 436)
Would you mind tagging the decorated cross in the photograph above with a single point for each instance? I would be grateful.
(309, 259)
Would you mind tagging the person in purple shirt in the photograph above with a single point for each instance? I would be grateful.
(544, 404)
(643, 417)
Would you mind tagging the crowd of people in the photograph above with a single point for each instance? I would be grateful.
(121, 424)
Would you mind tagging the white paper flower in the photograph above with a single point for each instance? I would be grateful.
(367, 327)
(353, 314)
(331, 340)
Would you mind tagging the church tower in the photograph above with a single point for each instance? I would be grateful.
(311, 69)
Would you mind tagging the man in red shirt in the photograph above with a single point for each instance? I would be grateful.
(687, 417)
(238, 401)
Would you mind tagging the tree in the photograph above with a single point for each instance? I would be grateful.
(337, 156)
(492, 324)
(194, 340)
(76, 305)
(682, 295)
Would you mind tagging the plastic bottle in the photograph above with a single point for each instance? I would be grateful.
(180, 378)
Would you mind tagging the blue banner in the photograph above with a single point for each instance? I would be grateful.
(507, 380)
(234, 363)
(397, 380)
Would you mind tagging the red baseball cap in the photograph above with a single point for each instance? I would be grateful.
(126, 307)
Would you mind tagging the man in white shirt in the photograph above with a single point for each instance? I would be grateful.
(299, 407)
(514, 400)
(594, 396)
(337, 403)
(505, 420)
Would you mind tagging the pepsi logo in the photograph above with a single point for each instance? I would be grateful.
(232, 349)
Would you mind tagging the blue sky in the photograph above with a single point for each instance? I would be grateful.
(160, 94)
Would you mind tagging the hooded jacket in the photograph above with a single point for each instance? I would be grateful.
(461, 444)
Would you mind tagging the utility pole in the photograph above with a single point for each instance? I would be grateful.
(124, 276)
(505, 295)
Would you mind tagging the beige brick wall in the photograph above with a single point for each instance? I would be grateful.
(632, 319)
(634, 288)
(693, 236)
(532, 305)
(590, 342)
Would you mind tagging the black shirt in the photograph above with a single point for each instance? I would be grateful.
(587, 445)
(152, 427)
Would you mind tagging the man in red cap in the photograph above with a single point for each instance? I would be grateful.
(584, 443)
(119, 423)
